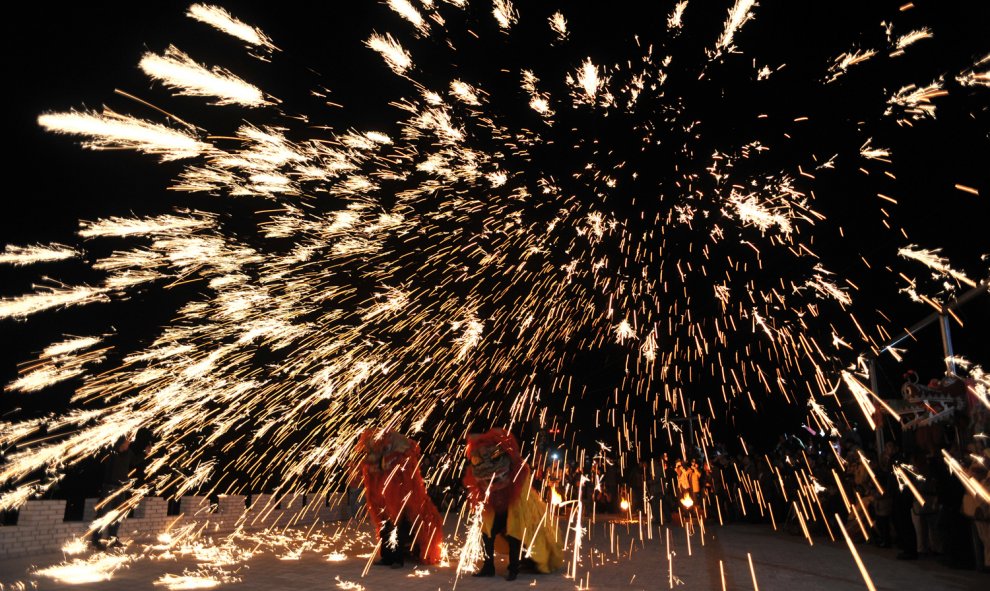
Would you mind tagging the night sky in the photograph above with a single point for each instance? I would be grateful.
(76, 56)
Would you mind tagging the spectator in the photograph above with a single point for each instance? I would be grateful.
(978, 511)
(118, 468)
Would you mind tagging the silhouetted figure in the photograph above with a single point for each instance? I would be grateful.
(117, 471)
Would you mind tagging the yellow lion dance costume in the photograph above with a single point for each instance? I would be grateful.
(498, 478)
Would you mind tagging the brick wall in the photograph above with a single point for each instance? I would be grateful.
(40, 526)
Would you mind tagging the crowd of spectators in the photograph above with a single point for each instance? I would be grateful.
(907, 498)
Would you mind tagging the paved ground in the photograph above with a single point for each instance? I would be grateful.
(614, 557)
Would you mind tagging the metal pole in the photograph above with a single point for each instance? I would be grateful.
(981, 289)
(950, 362)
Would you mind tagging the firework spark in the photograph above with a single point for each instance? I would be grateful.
(397, 58)
(177, 70)
(110, 130)
(30, 255)
(49, 298)
(739, 14)
(221, 20)
(558, 24)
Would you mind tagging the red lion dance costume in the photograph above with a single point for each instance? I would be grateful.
(398, 505)
(497, 477)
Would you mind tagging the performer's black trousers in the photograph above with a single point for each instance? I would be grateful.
(390, 554)
(110, 531)
(499, 526)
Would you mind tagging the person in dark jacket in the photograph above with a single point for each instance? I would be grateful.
(117, 471)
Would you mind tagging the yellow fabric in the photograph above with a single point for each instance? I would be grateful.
(526, 514)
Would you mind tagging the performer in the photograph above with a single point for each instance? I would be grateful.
(401, 511)
(497, 477)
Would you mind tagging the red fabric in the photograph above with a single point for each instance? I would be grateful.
(394, 489)
(500, 494)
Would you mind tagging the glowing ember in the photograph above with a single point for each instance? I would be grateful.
(176, 582)
(96, 568)
(75, 546)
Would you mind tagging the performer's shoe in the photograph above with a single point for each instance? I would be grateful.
(397, 565)
(98, 545)
(383, 562)
(487, 570)
(511, 576)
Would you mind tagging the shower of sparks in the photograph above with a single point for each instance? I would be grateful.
(739, 14)
(50, 372)
(177, 70)
(974, 78)
(188, 222)
(847, 60)
(473, 550)
(624, 331)
(935, 262)
(587, 80)
(855, 554)
(675, 21)
(192, 581)
(58, 362)
(30, 255)
(972, 484)
(504, 13)
(539, 101)
(465, 93)
(221, 20)
(17, 497)
(869, 152)
(407, 11)
(913, 37)
(348, 585)
(75, 546)
(397, 58)
(979, 379)
(110, 130)
(54, 297)
(454, 263)
(862, 395)
(96, 568)
(558, 24)
(916, 101)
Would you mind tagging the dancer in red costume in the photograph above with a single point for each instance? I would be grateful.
(402, 513)
(497, 477)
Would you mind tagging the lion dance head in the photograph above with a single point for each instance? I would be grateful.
(394, 489)
(496, 472)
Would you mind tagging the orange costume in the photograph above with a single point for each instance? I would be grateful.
(395, 493)
(497, 477)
